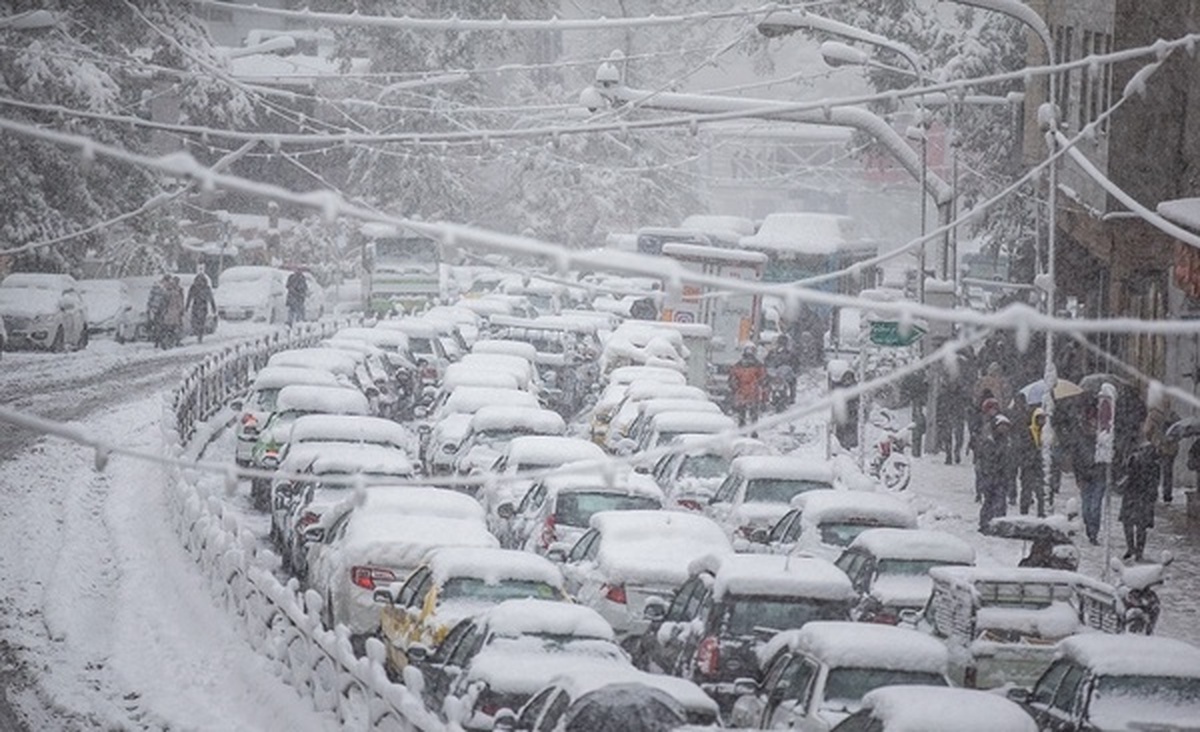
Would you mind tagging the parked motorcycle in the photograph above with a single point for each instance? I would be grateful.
(891, 464)
(1135, 588)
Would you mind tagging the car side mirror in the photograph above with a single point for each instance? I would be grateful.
(655, 609)
(910, 617)
(314, 534)
(760, 536)
(505, 720)
(506, 511)
(420, 411)
(556, 554)
(236, 405)
(417, 653)
(384, 597)
(1020, 696)
(745, 686)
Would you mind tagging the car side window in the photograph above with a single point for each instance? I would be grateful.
(793, 530)
(1043, 690)
(533, 499)
(593, 549)
(422, 590)
(795, 682)
(1064, 698)
(405, 596)
(579, 551)
(861, 721)
(465, 648)
(853, 563)
(531, 710)
(452, 641)
(780, 528)
(678, 609)
(554, 711)
(725, 493)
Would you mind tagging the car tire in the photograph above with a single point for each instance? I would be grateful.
(60, 341)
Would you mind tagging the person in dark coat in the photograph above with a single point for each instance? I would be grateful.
(993, 455)
(1028, 449)
(1140, 495)
(200, 303)
(952, 404)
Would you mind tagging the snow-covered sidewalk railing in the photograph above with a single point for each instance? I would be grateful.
(280, 621)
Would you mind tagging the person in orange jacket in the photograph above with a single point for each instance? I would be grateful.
(747, 381)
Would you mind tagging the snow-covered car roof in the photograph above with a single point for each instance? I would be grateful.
(842, 643)
(470, 399)
(340, 458)
(39, 281)
(277, 377)
(402, 540)
(323, 399)
(492, 565)
(523, 668)
(803, 233)
(629, 374)
(969, 578)
(625, 482)
(775, 575)
(738, 225)
(925, 544)
(552, 450)
(693, 422)
(104, 298)
(456, 313)
(686, 692)
(502, 346)
(385, 338)
(513, 618)
(1131, 654)
(536, 419)
(946, 709)
(415, 327)
(823, 505)
(655, 546)
(349, 428)
(356, 348)
(735, 446)
(465, 374)
(652, 407)
(642, 390)
(505, 361)
(783, 466)
(328, 359)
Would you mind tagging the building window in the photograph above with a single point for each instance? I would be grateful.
(1064, 44)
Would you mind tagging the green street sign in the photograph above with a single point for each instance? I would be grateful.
(887, 333)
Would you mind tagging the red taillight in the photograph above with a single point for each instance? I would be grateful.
(708, 655)
(367, 577)
(614, 593)
(690, 505)
(249, 423)
(307, 518)
(489, 709)
(885, 448)
(548, 536)
(885, 619)
(746, 531)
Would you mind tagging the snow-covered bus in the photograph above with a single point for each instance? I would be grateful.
(402, 270)
(806, 244)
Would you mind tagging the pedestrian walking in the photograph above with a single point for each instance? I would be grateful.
(1154, 431)
(199, 304)
(1139, 494)
(781, 364)
(981, 429)
(952, 412)
(172, 321)
(1193, 460)
(841, 376)
(156, 305)
(747, 379)
(995, 382)
(1089, 475)
(993, 455)
(297, 292)
(1028, 449)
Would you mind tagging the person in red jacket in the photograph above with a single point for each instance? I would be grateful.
(747, 379)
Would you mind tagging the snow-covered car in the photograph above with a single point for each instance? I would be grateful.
(259, 403)
(665, 427)
(759, 488)
(524, 371)
(729, 607)
(293, 402)
(503, 346)
(453, 583)
(110, 309)
(637, 392)
(567, 701)
(470, 399)
(252, 292)
(43, 311)
(824, 522)
(936, 709)
(644, 343)
(448, 332)
(463, 374)
(378, 538)
(557, 509)
(1117, 682)
(627, 557)
(626, 430)
(1000, 624)
(492, 428)
(516, 649)
(393, 343)
(527, 455)
(350, 428)
(325, 473)
(691, 474)
(424, 341)
(889, 569)
(614, 391)
(467, 320)
(339, 363)
(816, 676)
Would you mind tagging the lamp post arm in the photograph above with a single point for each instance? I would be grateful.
(787, 21)
(854, 117)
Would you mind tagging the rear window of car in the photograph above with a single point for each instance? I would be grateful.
(576, 509)
(779, 490)
(704, 466)
(849, 685)
(507, 589)
(764, 616)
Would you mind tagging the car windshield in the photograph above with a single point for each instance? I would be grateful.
(576, 509)
(29, 298)
(764, 616)
(845, 687)
(506, 589)
(909, 567)
(420, 345)
(704, 466)
(1144, 702)
(841, 533)
(779, 490)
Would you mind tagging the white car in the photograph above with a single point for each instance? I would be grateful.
(759, 489)
(691, 474)
(110, 309)
(937, 709)
(626, 431)
(665, 427)
(558, 508)
(824, 522)
(252, 292)
(43, 311)
(367, 543)
(528, 455)
(627, 557)
(341, 364)
(492, 428)
(816, 676)
(259, 404)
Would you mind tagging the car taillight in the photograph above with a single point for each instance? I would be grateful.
(614, 593)
(307, 518)
(548, 536)
(367, 577)
(708, 656)
(249, 423)
(745, 531)
(885, 618)
(690, 504)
